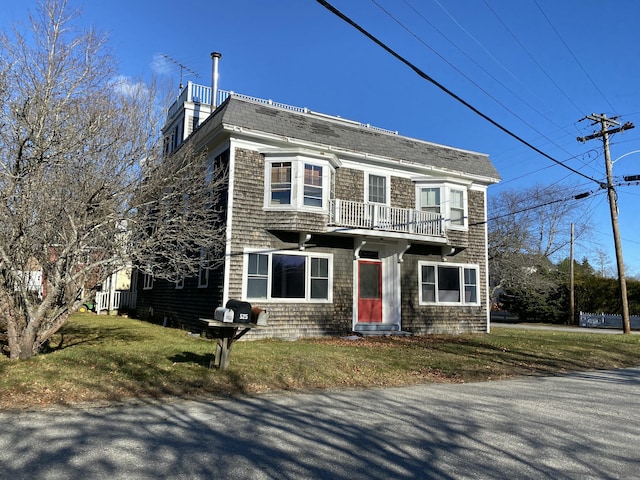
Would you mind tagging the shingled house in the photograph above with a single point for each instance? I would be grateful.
(333, 226)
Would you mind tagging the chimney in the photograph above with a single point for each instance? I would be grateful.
(215, 57)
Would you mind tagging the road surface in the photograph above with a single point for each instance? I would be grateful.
(576, 426)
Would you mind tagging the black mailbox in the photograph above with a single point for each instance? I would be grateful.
(241, 311)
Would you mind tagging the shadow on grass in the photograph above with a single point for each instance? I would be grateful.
(204, 360)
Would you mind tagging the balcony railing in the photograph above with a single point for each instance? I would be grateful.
(370, 216)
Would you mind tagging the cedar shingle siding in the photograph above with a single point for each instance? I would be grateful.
(249, 130)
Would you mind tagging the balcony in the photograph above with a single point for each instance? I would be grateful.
(382, 218)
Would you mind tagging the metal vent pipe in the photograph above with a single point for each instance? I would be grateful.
(215, 57)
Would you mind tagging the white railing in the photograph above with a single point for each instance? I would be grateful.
(115, 300)
(202, 94)
(369, 216)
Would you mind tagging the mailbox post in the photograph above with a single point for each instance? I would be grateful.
(225, 331)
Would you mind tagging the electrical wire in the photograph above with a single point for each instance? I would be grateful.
(533, 58)
(471, 59)
(425, 76)
(573, 55)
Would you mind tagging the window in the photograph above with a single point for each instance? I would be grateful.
(180, 283)
(147, 280)
(377, 189)
(312, 185)
(320, 278)
(203, 270)
(456, 207)
(430, 200)
(257, 275)
(280, 183)
(448, 284)
(446, 200)
(300, 182)
(286, 276)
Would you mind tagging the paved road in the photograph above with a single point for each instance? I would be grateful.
(575, 426)
(562, 328)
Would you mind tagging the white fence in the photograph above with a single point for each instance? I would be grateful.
(115, 300)
(605, 320)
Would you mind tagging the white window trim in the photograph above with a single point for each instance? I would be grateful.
(445, 201)
(387, 192)
(307, 298)
(461, 267)
(297, 182)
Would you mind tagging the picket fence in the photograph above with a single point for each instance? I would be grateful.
(605, 320)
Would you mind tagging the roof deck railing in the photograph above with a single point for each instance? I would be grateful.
(195, 93)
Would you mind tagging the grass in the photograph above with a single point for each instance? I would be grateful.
(101, 359)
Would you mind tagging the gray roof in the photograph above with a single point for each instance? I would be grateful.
(349, 136)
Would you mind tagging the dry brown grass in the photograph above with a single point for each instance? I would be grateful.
(111, 359)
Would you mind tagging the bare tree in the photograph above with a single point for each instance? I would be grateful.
(83, 187)
(527, 227)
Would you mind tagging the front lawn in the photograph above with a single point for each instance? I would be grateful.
(105, 359)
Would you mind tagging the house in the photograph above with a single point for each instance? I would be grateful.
(332, 226)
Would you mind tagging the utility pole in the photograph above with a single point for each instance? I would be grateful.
(606, 123)
(572, 287)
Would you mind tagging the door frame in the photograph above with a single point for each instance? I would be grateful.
(373, 305)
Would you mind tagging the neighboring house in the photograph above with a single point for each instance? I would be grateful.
(333, 226)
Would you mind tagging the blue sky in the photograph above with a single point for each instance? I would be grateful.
(535, 66)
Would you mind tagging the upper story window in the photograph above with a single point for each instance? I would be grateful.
(377, 191)
(281, 183)
(297, 181)
(313, 192)
(446, 199)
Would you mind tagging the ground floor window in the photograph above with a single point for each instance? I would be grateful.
(288, 276)
(444, 283)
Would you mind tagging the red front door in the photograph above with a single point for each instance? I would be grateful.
(369, 291)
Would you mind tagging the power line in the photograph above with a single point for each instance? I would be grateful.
(417, 37)
(531, 56)
(573, 55)
(580, 196)
(423, 75)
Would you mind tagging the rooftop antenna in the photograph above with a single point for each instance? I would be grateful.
(182, 67)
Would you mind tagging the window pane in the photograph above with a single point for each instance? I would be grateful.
(257, 287)
(428, 274)
(313, 175)
(258, 264)
(319, 288)
(448, 284)
(281, 183)
(457, 216)
(320, 267)
(470, 295)
(428, 293)
(430, 200)
(470, 276)
(457, 199)
(377, 189)
(288, 276)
